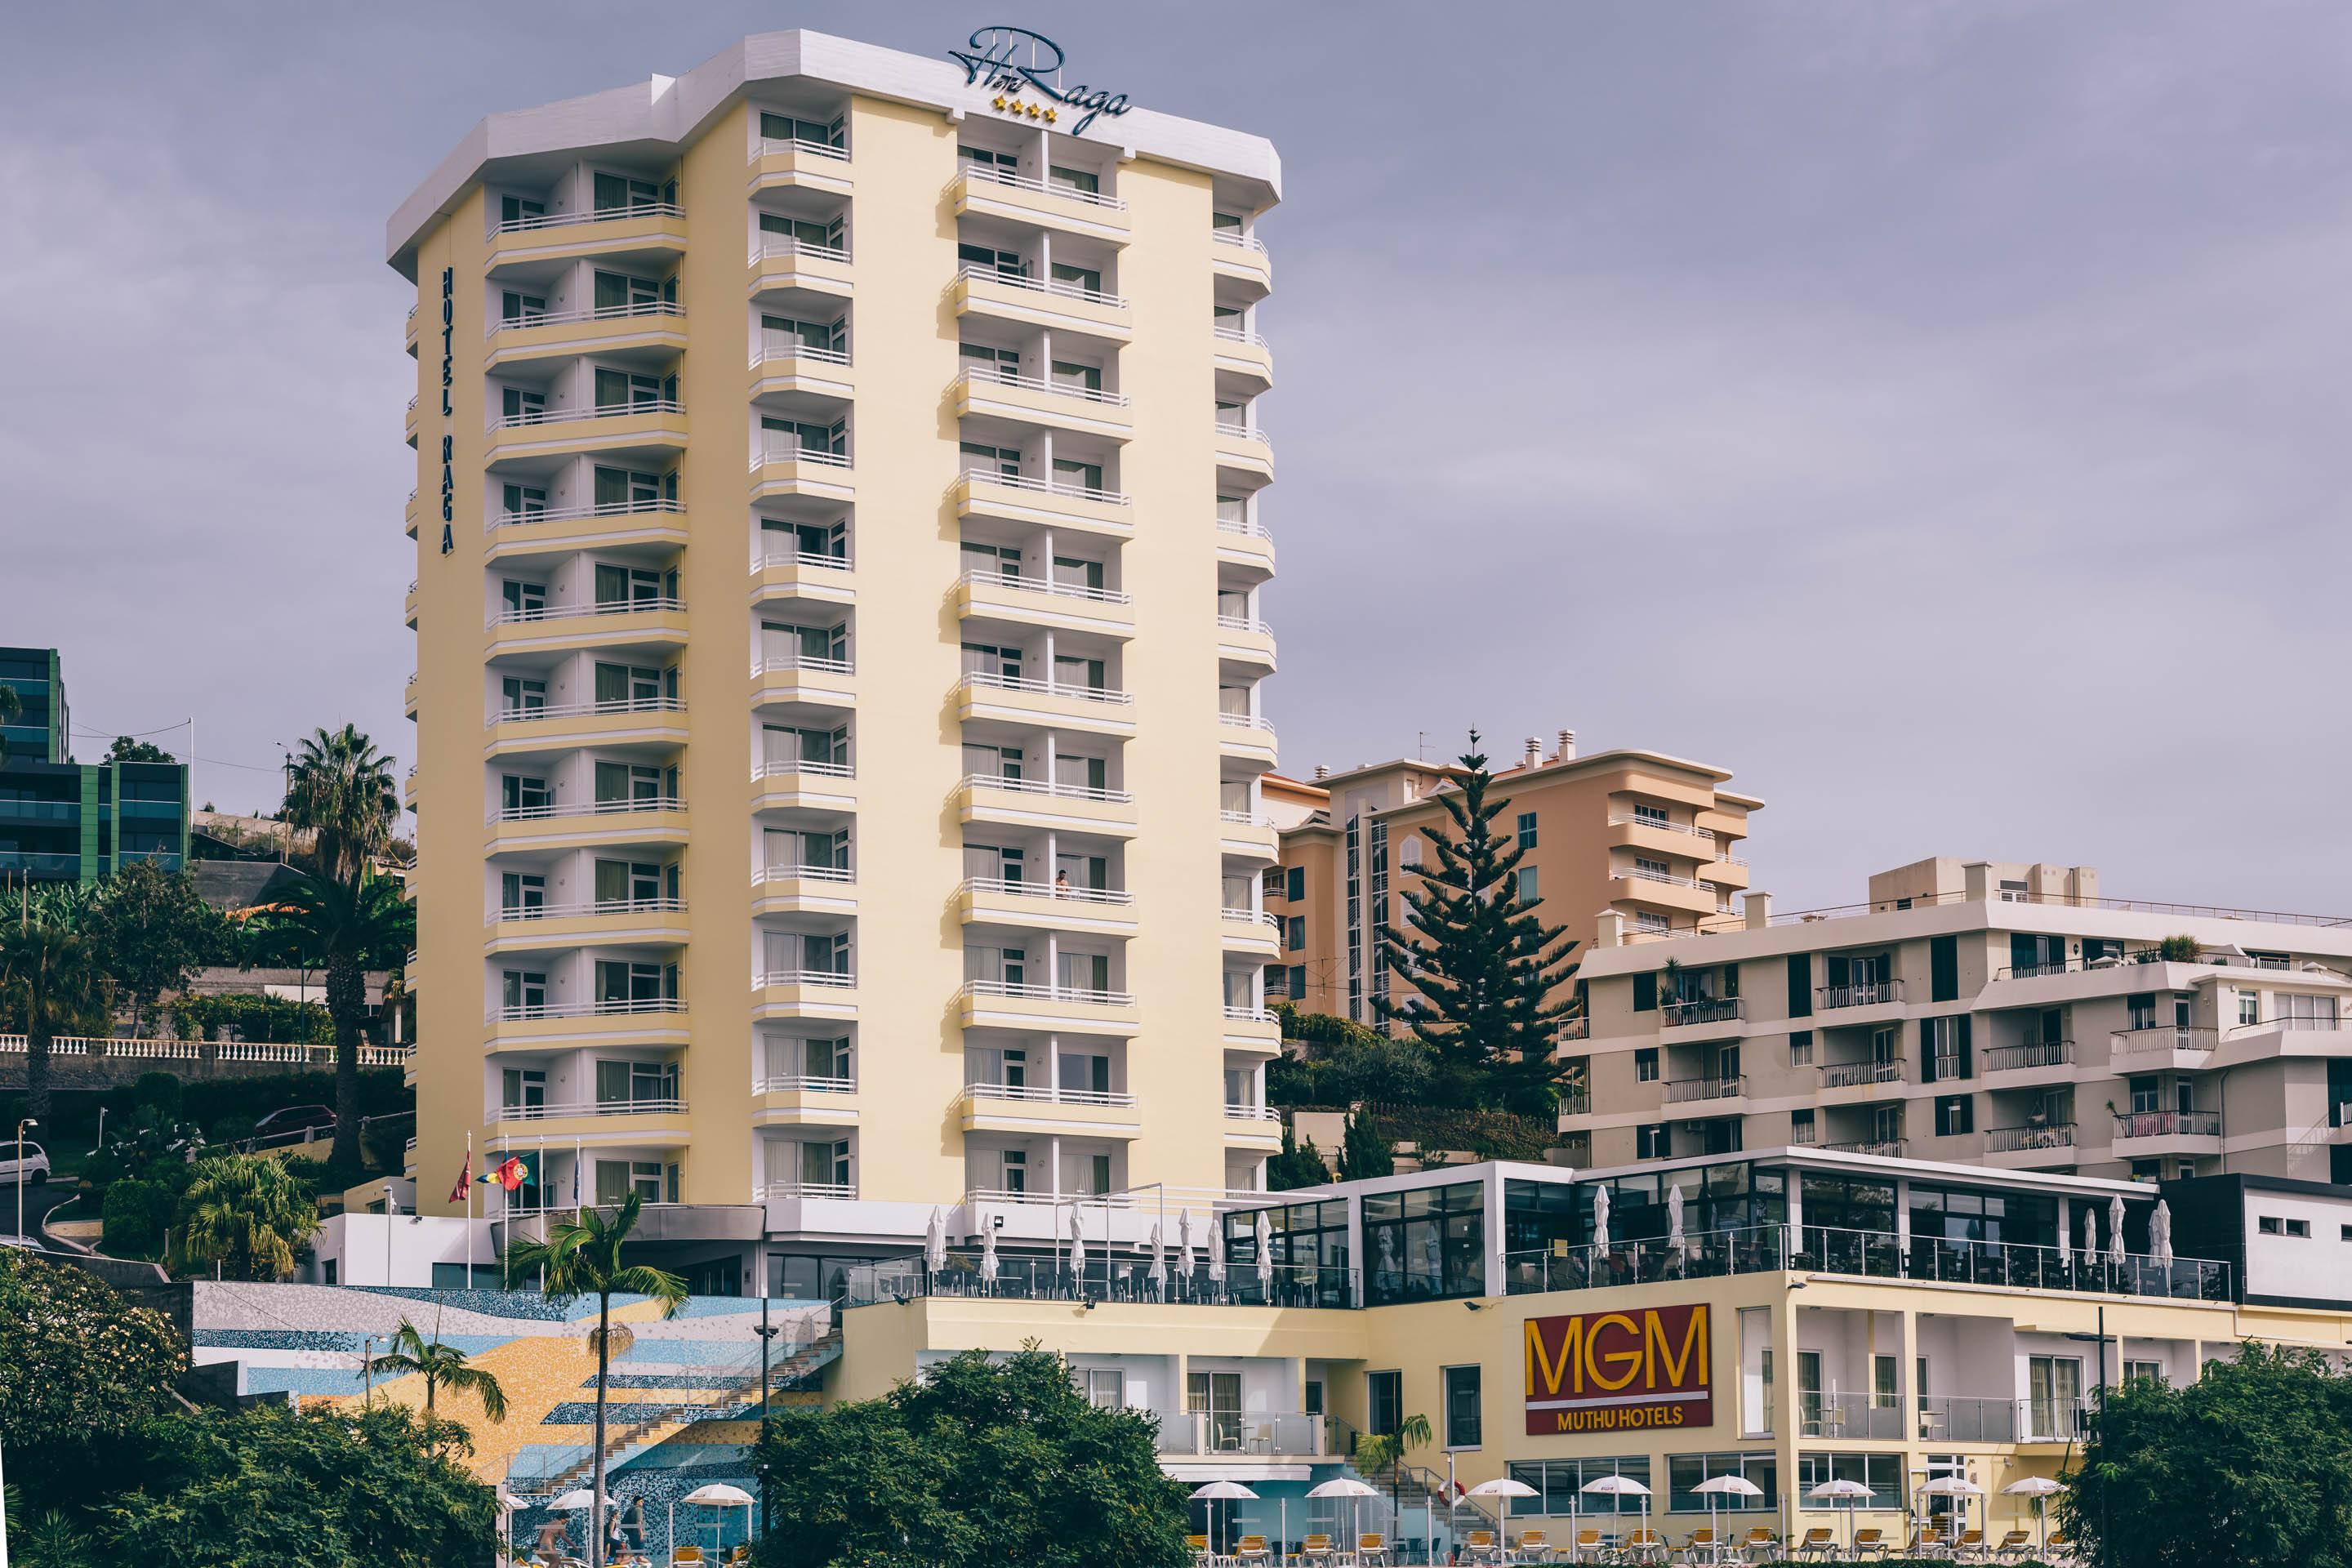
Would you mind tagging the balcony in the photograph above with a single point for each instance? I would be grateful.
(1250, 931)
(2035, 1061)
(408, 329)
(1006, 296)
(2031, 1146)
(783, 363)
(654, 622)
(791, 782)
(1685, 1091)
(603, 920)
(778, 162)
(1253, 1028)
(1242, 542)
(408, 422)
(2144, 1133)
(639, 1021)
(555, 726)
(1854, 1075)
(1868, 994)
(805, 994)
(2175, 1046)
(1038, 602)
(990, 192)
(1240, 256)
(640, 324)
(1662, 890)
(1880, 1148)
(1004, 1005)
(1022, 699)
(1245, 639)
(790, 1189)
(1704, 1010)
(803, 890)
(651, 426)
(408, 690)
(802, 677)
(1025, 1108)
(1257, 1127)
(1243, 353)
(566, 529)
(1043, 906)
(1018, 498)
(648, 228)
(781, 466)
(797, 1100)
(1041, 803)
(639, 1118)
(1248, 835)
(1246, 449)
(1245, 737)
(1034, 400)
(780, 261)
(653, 821)
(791, 573)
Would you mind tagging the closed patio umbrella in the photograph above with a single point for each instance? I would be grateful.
(935, 1245)
(1158, 1273)
(2038, 1487)
(1714, 1486)
(988, 1263)
(1600, 1220)
(2090, 1237)
(1217, 1254)
(1184, 1249)
(1829, 1491)
(2116, 1231)
(1077, 1250)
(1674, 1220)
(1265, 1256)
(2160, 1234)
(2065, 1248)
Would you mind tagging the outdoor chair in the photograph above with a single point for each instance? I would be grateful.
(2061, 1548)
(2015, 1546)
(1373, 1550)
(1819, 1542)
(1645, 1546)
(1586, 1548)
(1198, 1545)
(1761, 1545)
(1702, 1545)
(1970, 1547)
(1316, 1549)
(685, 1554)
(1534, 1546)
(1251, 1549)
(1869, 1542)
(1480, 1546)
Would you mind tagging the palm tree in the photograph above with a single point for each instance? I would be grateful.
(346, 927)
(441, 1366)
(52, 980)
(341, 789)
(248, 1213)
(583, 1258)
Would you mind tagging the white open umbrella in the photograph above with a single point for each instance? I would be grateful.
(2038, 1487)
(575, 1500)
(718, 1494)
(1265, 1256)
(1830, 1491)
(988, 1263)
(1343, 1486)
(1714, 1486)
(1185, 1248)
(2116, 1231)
(1213, 1493)
(1954, 1486)
(1621, 1486)
(1502, 1486)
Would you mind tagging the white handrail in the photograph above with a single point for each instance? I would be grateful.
(787, 767)
(791, 1083)
(1246, 818)
(802, 145)
(1022, 887)
(1252, 1112)
(626, 1006)
(505, 1113)
(785, 244)
(589, 808)
(1102, 694)
(1048, 487)
(766, 558)
(1237, 335)
(1244, 433)
(835, 979)
(781, 348)
(594, 411)
(1047, 786)
(1250, 1014)
(982, 576)
(997, 175)
(1619, 819)
(808, 1190)
(1640, 875)
(984, 376)
(791, 452)
(972, 270)
(1243, 721)
(1247, 530)
(1238, 239)
(584, 710)
(1084, 997)
(1252, 916)
(1244, 624)
(664, 605)
(767, 874)
(575, 513)
(585, 313)
(602, 214)
(595, 907)
(775, 663)
(1046, 1094)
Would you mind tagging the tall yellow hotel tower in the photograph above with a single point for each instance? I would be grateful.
(837, 613)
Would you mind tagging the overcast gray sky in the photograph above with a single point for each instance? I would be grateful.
(1933, 412)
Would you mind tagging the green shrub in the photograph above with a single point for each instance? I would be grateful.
(160, 1090)
(136, 1211)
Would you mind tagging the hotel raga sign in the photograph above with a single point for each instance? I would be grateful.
(1024, 70)
(1619, 1372)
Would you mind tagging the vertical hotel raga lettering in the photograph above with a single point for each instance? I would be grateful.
(1617, 1372)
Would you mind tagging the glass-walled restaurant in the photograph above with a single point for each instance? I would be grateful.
(1508, 1228)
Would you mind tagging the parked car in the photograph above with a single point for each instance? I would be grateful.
(32, 1168)
(291, 1124)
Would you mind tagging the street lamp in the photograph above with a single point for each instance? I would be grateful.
(2106, 1536)
(21, 1177)
(767, 1333)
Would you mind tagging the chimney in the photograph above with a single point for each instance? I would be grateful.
(1760, 910)
(1321, 771)
(1534, 753)
(1975, 881)
(1609, 930)
(1567, 751)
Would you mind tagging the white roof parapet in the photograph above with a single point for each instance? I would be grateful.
(665, 111)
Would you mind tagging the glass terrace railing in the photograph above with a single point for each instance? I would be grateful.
(1124, 1277)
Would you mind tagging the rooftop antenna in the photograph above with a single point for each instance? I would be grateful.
(1421, 744)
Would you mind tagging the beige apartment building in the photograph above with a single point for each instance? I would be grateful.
(839, 562)
(1650, 838)
(1983, 1013)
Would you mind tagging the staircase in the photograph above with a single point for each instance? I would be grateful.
(1417, 1497)
(728, 1393)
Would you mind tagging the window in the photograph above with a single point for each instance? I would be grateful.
(2276, 1224)
(1384, 1402)
(1528, 885)
(1800, 1126)
(1559, 1485)
(1652, 871)
(1655, 1142)
(1881, 1473)
(1295, 934)
(2142, 1008)
(1105, 1388)
(1685, 1471)
(1944, 968)
(1295, 883)
(2250, 1007)
(1298, 982)
(1645, 1064)
(1409, 852)
(1944, 1053)
(1075, 180)
(1462, 1407)
(1650, 816)
(786, 128)
(1801, 985)
(2054, 1404)
(1645, 993)
(1885, 1384)
(1526, 830)
(2146, 1370)
(1650, 922)
(1800, 1048)
(1955, 1114)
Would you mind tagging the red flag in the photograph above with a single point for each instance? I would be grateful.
(465, 1180)
(511, 1174)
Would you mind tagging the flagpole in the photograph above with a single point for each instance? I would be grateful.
(469, 1208)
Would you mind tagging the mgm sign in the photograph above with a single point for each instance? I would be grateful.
(1618, 1371)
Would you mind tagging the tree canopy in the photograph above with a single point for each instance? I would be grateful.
(127, 749)
(80, 1366)
(976, 1462)
(2257, 1453)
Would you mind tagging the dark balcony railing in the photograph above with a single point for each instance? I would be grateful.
(2009, 1140)
(1575, 1101)
(2031, 1054)
(1124, 1275)
(1706, 1010)
(1868, 994)
(1683, 1091)
(1846, 1075)
(2168, 1124)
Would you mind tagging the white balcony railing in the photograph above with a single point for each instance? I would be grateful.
(1044, 487)
(525, 1012)
(513, 913)
(785, 244)
(802, 146)
(1245, 624)
(1232, 432)
(1084, 997)
(984, 376)
(778, 347)
(990, 173)
(808, 1190)
(1252, 1112)
(1236, 335)
(532, 617)
(1251, 917)
(1021, 888)
(1046, 1094)
(587, 808)
(1107, 696)
(1054, 286)
(832, 979)
(531, 416)
(552, 710)
(602, 214)
(1246, 818)
(1047, 787)
(780, 663)
(1249, 1015)
(1643, 874)
(587, 313)
(508, 1113)
(805, 560)
(982, 577)
(1238, 239)
(792, 767)
(767, 875)
(803, 1083)
(496, 520)
(1244, 721)
(1245, 528)
(1629, 819)
(776, 446)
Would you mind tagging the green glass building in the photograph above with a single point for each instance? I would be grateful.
(63, 821)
